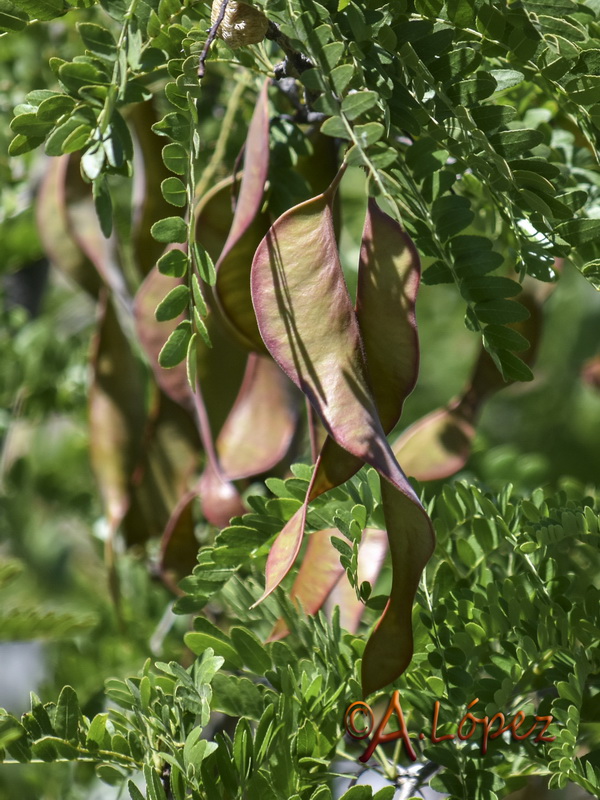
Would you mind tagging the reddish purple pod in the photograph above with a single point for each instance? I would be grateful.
(306, 319)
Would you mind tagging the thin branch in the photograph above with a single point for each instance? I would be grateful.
(212, 35)
(295, 62)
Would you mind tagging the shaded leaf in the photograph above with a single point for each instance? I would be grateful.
(12, 18)
(179, 546)
(97, 39)
(166, 468)
(260, 427)
(499, 312)
(22, 144)
(489, 118)
(149, 201)
(153, 335)
(436, 446)
(59, 245)
(580, 231)
(232, 288)
(84, 227)
(102, 201)
(117, 414)
(206, 635)
(75, 75)
(220, 500)
(355, 105)
(173, 263)
(43, 9)
(511, 144)
(335, 126)
(251, 650)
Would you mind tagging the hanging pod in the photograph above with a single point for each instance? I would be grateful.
(355, 381)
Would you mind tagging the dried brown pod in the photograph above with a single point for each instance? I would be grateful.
(242, 24)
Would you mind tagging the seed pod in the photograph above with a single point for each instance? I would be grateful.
(241, 25)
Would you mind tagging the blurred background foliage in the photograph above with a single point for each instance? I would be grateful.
(54, 581)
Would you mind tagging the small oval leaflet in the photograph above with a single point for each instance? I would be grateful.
(173, 304)
(175, 348)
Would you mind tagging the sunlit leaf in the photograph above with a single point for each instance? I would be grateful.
(319, 572)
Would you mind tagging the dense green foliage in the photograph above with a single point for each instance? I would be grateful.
(474, 126)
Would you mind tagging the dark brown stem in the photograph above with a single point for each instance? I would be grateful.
(166, 781)
(212, 35)
(295, 62)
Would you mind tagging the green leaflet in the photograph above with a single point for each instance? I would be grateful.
(43, 9)
(97, 39)
(170, 230)
(154, 205)
(11, 17)
(68, 715)
(306, 319)
(153, 334)
(175, 348)
(174, 304)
